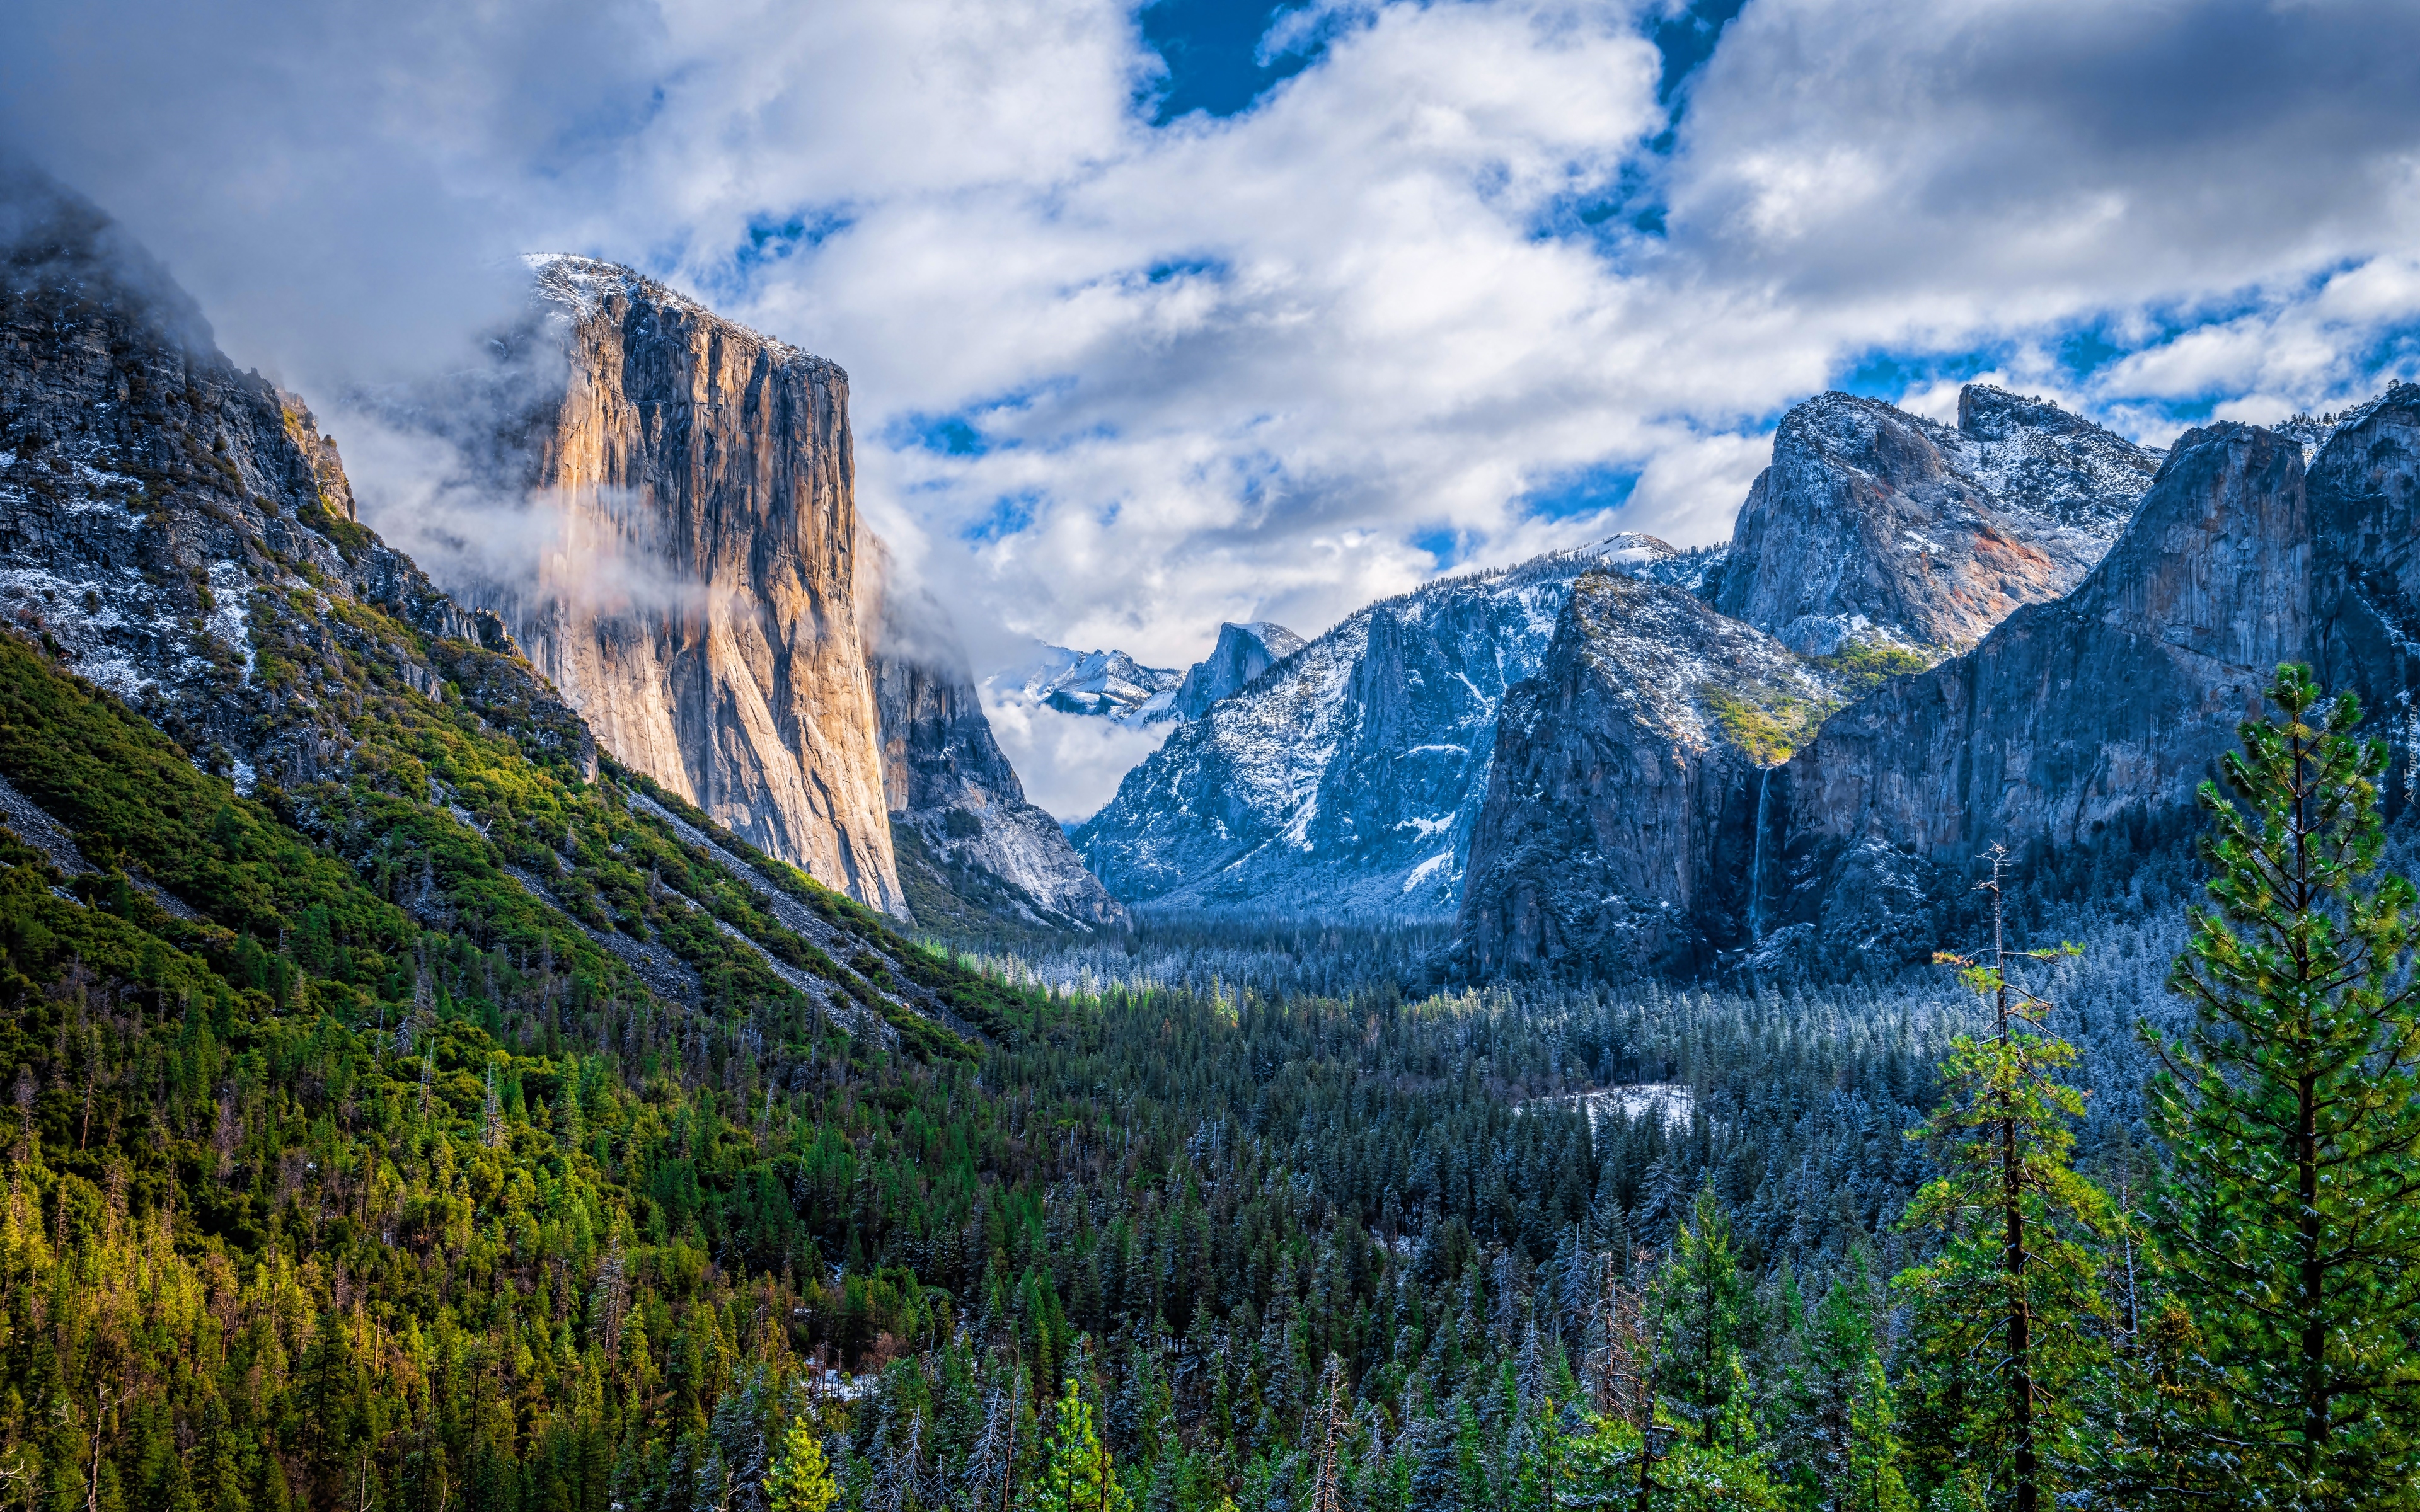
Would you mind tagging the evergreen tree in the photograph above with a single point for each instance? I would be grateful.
(1706, 1312)
(1872, 1480)
(2014, 1283)
(801, 1481)
(1077, 1474)
(1853, 1423)
(2292, 1112)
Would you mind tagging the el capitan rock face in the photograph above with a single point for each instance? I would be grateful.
(1874, 524)
(1612, 836)
(698, 607)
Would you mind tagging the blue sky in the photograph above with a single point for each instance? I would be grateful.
(1194, 312)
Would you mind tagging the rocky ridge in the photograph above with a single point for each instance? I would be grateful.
(1106, 684)
(1876, 525)
(1344, 779)
(181, 532)
(2073, 724)
(1243, 653)
(2082, 728)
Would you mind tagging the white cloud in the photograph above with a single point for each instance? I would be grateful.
(1233, 368)
(1069, 763)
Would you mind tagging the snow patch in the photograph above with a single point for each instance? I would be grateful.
(231, 621)
(1670, 1103)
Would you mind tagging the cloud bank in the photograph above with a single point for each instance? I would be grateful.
(1475, 281)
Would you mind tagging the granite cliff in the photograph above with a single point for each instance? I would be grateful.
(2073, 723)
(1625, 776)
(970, 849)
(181, 533)
(1344, 779)
(1876, 525)
(696, 597)
(1243, 653)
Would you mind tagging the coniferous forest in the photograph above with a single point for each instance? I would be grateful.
(312, 1203)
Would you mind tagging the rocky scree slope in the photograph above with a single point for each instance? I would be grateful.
(1625, 778)
(972, 851)
(172, 539)
(1344, 779)
(697, 600)
(1873, 524)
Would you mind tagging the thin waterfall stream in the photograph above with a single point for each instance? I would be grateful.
(1756, 862)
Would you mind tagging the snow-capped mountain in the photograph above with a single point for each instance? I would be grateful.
(1636, 757)
(1243, 653)
(1108, 684)
(1345, 777)
(1874, 524)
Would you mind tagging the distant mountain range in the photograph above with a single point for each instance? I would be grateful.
(1923, 638)
(1113, 685)
(1345, 775)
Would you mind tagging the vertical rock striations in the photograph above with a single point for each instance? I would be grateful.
(970, 847)
(1614, 838)
(696, 601)
(1874, 524)
(2365, 492)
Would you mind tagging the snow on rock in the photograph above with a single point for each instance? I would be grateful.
(1627, 777)
(159, 507)
(1108, 684)
(1243, 653)
(965, 836)
(1876, 525)
(1343, 779)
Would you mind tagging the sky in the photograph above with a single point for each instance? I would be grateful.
(1206, 311)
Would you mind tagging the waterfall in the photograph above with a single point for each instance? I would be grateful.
(1756, 862)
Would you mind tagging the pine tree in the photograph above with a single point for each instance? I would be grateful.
(1854, 1425)
(1706, 1310)
(1077, 1474)
(801, 1481)
(1872, 1480)
(2292, 1109)
(2014, 1283)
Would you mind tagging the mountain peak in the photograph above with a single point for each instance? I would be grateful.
(1874, 524)
(1243, 653)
